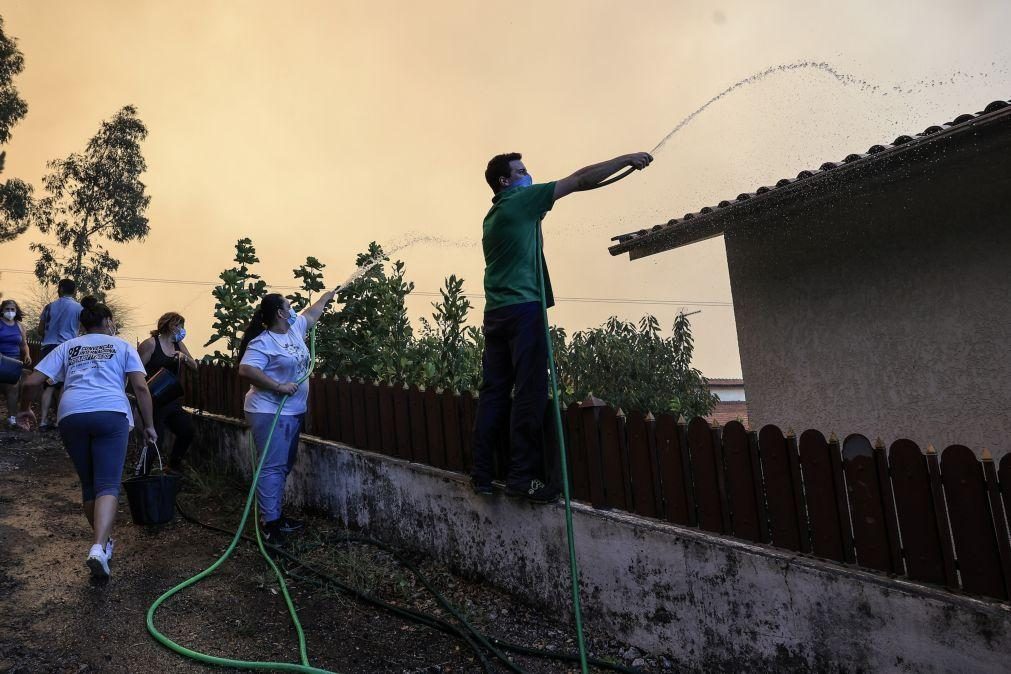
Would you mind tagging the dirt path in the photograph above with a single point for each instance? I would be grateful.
(54, 618)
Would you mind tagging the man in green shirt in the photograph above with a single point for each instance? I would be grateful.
(514, 388)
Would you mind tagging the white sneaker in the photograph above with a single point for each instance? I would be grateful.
(98, 562)
(12, 422)
(109, 544)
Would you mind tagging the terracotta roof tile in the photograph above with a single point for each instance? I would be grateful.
(625, 242)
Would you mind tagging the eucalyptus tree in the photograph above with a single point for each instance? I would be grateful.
(94, 198)
(15, 194)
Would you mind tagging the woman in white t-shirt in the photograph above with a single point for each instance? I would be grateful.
(94, 416)
(274, 357)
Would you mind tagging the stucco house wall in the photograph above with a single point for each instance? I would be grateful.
(883, 308)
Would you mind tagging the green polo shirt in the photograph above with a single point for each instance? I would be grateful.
(511, 254)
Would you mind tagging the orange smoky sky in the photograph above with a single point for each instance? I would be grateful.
(317, 127)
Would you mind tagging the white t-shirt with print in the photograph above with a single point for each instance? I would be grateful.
(93, 370)
(283, 358)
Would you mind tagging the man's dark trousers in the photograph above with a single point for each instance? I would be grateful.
(515, 357)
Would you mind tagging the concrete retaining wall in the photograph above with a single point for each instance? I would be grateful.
(707, 602)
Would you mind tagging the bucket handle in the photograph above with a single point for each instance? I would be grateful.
(142, 461)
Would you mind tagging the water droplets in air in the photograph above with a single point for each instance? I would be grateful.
(842, 78)
(406, 241)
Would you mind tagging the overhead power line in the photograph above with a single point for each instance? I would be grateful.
(429, 293)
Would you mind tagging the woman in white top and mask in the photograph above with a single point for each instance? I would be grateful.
(274, 357)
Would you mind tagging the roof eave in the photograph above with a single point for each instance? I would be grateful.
(713, 222)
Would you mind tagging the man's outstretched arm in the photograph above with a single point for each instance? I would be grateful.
(590, 176)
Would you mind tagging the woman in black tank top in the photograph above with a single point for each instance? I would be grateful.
(165, 349)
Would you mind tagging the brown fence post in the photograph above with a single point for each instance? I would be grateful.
(214, 390)
(347, 412)
(689, 472)
(940, 514)
(641, 465)
(238, 395)
(915, 509)
(201, 385)
(972, 524)
(654, 462)
(468, 412)
(779, 488)
(387, 420)
(419, 431)
(842, 498)
(358, 409)
(591, 410)
(1004, 476)
(626, 469)
(224, 384)
(820, 496)
(451, 430)
(373, 434)
(707, 488)
(765, 535)
(332, 409)
(433, 422)
(227, 391)
(323, 416)
(721, 477)
(402, 421)
(867, 495)
(312, 417)
(579, 476)
(740, 471)
(997, 513)
(888, 502)
(612, 447)
(675, 487)
(793, 457)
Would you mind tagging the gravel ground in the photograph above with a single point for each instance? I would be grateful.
(56, 619)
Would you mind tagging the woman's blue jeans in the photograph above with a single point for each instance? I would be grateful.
(280, 458)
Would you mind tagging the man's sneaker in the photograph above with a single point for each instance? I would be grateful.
(12, 422)
(537, 492)
(98, 562)
(482, 488)
(109, 545)
(290, 525)
(272, 533)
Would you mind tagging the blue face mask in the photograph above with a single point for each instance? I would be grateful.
(523, 181)
(179, 335)
(292, 316)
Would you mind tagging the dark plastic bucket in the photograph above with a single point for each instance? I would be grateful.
(10, 370)
(152, 498)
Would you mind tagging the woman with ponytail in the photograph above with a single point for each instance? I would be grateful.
(273, 357)
(94, 416)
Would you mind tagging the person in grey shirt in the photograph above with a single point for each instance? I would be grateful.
(59, 322)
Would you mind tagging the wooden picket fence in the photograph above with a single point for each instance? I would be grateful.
(939, 518)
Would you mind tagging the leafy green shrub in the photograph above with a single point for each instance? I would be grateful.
(368, 335)
(633, 367)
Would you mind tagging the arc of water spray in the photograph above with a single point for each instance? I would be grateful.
(408, 240)
(843, 78)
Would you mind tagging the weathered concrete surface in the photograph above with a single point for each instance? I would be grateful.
(709, 603)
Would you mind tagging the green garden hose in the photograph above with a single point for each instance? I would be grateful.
(321, 578)
(577, 612)
(304, 666)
